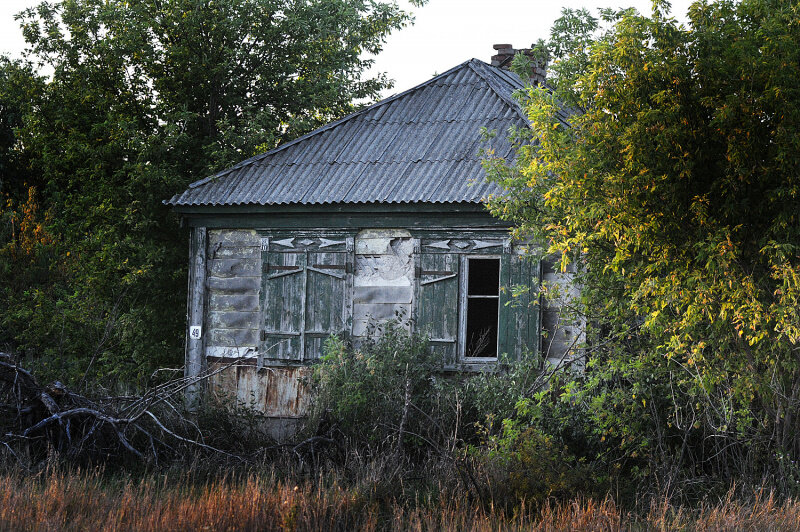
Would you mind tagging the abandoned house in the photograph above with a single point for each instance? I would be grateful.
(375, 216)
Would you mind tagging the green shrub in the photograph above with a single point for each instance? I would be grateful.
(379, 390)
(537, 454)
(391, 392)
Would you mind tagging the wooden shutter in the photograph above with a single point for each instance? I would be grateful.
(283, 302)
(305, 297)
(328, 308)
(519, 316)
(437, 301)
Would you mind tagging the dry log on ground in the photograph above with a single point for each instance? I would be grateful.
(36, 420)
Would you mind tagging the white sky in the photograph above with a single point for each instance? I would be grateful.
(446, 32)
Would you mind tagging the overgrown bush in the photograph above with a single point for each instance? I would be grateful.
(391, 393)
(674, 193)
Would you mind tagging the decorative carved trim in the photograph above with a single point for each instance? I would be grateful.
(483, 244)
(303, 242)
(286, 242)
(326, 243)
(441, 244)
(463, 245)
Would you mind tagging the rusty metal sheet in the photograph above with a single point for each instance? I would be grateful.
(277, 392)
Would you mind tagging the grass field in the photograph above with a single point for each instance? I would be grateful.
(57, 500)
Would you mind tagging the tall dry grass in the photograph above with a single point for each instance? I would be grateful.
(58, 500)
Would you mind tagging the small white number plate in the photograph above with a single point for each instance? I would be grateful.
(195, 332)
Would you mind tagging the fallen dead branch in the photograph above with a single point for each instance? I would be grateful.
(37, 420)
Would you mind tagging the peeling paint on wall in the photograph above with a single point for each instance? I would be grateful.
(378, 268)
(563, 337)
(275, 392)
(384, 278)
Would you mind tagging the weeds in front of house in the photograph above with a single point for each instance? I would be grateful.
(266, 499)
(396, 442)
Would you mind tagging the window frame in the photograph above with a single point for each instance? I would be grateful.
(463, 298)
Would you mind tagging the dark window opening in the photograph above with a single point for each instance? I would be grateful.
(484, 277)
(483, 289)
(482, 327)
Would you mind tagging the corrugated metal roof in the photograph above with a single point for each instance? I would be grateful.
(422, 145)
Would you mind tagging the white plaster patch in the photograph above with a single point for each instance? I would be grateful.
(384, 277)
(376, 241)
(232, 352)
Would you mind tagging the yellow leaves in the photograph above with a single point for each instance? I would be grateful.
(28, 231)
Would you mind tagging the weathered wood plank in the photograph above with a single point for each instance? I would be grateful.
(233, 337)
(326, 301)
(234, 285)
(233, 237)
(195, 359)
(326, 293)
(519, 322)
(233, 320)
(234, 267)
(230, 353)
(220, 251)
(283, 306)
(241, 303)
(438, 303)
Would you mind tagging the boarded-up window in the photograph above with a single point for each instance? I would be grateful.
(306, 295)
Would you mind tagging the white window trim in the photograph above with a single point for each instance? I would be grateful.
(463, 287)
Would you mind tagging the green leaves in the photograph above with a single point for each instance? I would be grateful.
(145, 97)
(675, 190)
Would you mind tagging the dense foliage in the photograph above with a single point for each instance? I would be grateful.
(676, 191)
(390, 394)
(141, 98)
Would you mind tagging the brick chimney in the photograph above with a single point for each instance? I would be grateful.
(504, 53)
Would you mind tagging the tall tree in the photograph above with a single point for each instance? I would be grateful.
(676, 189)
(146, 96)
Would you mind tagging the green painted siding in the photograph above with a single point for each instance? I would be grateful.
(305, 297)
(519, 316)
(283, 304)
(308, 292)
(326, 299)
(438, 302)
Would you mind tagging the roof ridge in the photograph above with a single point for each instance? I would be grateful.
(491, 84)
(330, 125)
(361, 161)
